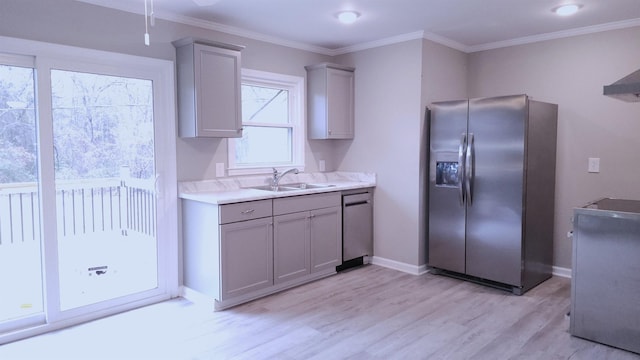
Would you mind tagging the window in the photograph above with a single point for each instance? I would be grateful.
(272, 124)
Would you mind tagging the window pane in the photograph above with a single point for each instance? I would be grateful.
(264, 105)
(103, 124)
(20, 246)
(105, 185)
(264, 145)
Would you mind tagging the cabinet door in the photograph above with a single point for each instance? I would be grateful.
(326, 238)
(340, 103)
(246, 255)
(217, 83)
(291, 246)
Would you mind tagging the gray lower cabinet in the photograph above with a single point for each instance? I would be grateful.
(307, 242)
(246, 253)
(227, 249)
(325, 235)
(291, 246)
(237, 252)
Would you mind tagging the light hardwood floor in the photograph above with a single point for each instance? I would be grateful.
(366, 313)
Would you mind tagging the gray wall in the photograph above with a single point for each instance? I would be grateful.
(444, 77)
(571, 72)
(79, 24)
(387, 140)
(394, 83)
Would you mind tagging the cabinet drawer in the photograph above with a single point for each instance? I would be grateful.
(245, 211)
(293, 204)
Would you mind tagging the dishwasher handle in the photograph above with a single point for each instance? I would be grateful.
(357, 203)
(356, 199)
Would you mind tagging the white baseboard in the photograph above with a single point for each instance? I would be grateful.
(400, 266)
(561, 272)
(422, 269)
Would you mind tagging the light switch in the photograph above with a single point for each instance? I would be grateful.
(219, 169)
(594, 165)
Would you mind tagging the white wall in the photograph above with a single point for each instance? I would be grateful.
(571, 73)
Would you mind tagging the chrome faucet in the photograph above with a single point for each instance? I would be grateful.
(278, 176)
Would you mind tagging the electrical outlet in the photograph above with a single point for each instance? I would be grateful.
(594, 165)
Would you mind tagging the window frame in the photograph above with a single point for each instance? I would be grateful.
(295, 86)
(47, 56)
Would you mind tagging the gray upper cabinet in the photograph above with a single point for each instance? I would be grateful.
(209, 103)
(330, 101)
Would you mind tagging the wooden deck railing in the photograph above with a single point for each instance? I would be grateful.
(83, 208)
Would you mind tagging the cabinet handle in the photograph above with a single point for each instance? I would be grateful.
(245, 212)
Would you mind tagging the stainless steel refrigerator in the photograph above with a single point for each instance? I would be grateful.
(491, 190)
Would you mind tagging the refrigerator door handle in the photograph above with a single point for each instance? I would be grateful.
(461, 167)
(469, 169)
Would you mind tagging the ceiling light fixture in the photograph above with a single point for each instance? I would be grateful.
(348, 17)
(566, 10)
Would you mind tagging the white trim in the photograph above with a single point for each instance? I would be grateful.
(45, 328)
(135, 8)
(561, 272)
(132, 7)
(400, 266)
(422, 269)
(295, 85)
(446, 42)
(555, 35)
(17, 60)
(378, 43)
(52, 56)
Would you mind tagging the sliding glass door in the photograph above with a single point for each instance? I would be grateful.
(88, 213)
(105, 176)
(20, 238)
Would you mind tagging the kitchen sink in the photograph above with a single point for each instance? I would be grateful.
(302, 186)
(291, 187)
(273, 189)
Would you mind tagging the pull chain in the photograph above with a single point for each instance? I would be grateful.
(146, 28)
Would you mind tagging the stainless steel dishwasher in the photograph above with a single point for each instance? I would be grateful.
(357, 227)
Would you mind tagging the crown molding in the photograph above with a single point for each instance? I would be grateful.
(204, 24)
(377, 43)
(555, 35)
(210, 25)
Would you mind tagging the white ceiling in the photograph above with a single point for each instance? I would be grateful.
(467, 25)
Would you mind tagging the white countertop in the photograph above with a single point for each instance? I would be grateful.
(238, 189)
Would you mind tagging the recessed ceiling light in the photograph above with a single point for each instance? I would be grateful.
(348, 17)
(566, 10)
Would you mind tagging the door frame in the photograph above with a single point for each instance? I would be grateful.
(161, 72)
